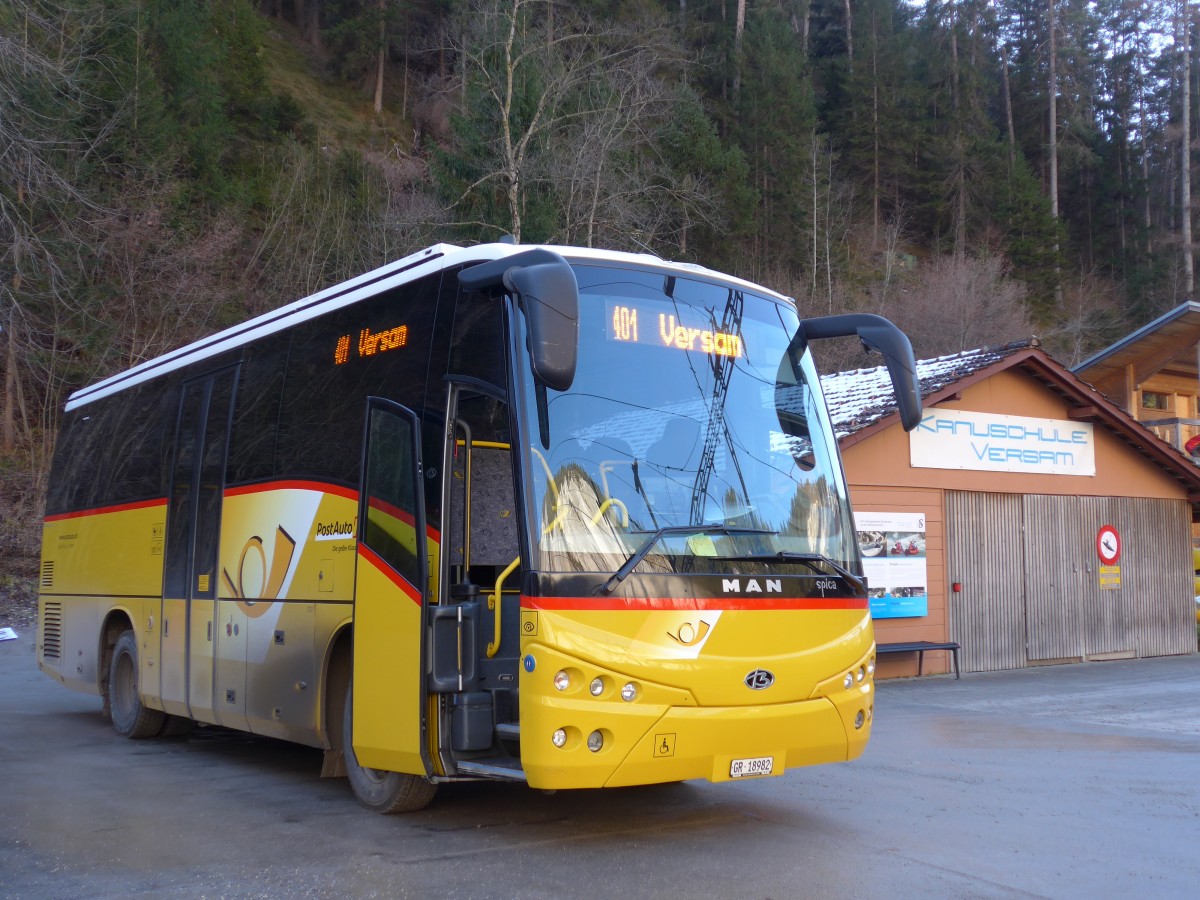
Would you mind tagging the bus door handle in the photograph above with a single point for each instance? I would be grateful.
(494, 605)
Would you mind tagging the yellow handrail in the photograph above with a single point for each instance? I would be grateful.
(494, 605)
(611, 501)
(549, 474)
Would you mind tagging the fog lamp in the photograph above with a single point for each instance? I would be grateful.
(595, 741)
(560, 737)
(860, 719)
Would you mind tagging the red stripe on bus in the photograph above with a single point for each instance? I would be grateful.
(406, 517)
(102, 510)
(389, 573)
(575, 604)
(394, 511)
(320, 487)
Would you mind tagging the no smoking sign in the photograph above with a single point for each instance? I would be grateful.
(1108, 545)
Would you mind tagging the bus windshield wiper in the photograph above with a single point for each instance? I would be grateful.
(643, 551)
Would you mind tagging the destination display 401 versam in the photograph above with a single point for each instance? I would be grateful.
(634, 324)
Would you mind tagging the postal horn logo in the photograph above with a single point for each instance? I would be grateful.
(269, 577)
(690, 634)
(759, 680)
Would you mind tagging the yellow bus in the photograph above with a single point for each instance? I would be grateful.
(556, 515)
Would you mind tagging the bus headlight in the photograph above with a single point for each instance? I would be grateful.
(629, 692)
(848, 681)
(596, 688)
(595, 741)
(861, 674)
(860, 719)
(559, 738)
(562, 680)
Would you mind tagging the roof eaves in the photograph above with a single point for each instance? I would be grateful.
(1137, 435)
(1134, 337)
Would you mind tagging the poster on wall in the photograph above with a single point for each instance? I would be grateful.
(893, 552)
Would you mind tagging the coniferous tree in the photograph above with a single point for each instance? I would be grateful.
(775, 119)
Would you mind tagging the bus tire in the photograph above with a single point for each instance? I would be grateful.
(379, 790)
(130, 717)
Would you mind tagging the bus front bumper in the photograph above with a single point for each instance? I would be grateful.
(686, 742)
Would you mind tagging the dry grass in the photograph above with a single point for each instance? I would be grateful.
(343, 116)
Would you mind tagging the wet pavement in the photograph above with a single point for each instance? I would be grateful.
(1071, 781)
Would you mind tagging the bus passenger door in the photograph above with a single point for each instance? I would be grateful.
(193, 537)
(474, 642)
(390, 588)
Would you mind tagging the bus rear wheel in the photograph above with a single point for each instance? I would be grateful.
(379, 790)
(130, 717)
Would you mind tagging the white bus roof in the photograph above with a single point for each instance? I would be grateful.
(402, 271)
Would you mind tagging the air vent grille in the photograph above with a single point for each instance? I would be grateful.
(52, 630)
(48, 574)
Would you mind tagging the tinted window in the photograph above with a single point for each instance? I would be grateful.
(393, 525)
(211, 484)
(182, 501)
(376, 348)
(252, 445)
(197, 486)
(111, 451)
(477, 348)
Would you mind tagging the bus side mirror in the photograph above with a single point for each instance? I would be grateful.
(548, 294)
(879, 334)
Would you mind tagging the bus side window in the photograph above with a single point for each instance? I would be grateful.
(391, 508)
(252, 442)
(374, 349)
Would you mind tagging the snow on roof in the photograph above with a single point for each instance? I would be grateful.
(862, 397)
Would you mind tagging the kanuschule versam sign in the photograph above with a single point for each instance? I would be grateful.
(959, 439)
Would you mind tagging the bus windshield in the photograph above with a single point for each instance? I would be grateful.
(689, 425)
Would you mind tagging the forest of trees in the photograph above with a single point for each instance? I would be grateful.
(977, 170)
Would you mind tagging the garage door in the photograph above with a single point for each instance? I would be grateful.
(1030, 580)
(986, 557)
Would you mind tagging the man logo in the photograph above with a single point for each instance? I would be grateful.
(759, 680)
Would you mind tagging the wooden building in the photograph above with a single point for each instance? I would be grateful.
(1152, 374)
(1043, 522)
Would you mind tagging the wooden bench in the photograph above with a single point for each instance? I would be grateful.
(919, 648)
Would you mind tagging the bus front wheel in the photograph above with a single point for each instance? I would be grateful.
(379, 790)
(130, 717)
